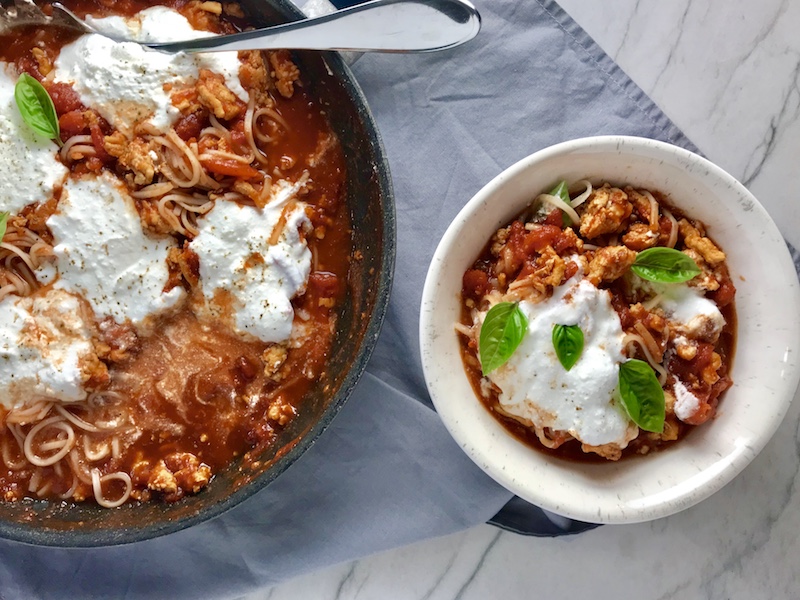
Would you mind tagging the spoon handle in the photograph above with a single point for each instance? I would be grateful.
(377, 26)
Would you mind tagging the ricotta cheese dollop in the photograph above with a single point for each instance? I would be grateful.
(686, 403)
(30, 170)
(691, 311)
(104, 255)
(43, 340)
(686, 307)
(240, 269)
(127, 83)
(535, 386)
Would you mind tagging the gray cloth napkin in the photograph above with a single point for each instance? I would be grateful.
(386, 472)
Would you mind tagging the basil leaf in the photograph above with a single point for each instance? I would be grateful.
(641, 395)
(3, 221)
(562, 191)
(502, 331)
(36, 107)
(664, 265)
(568, 342)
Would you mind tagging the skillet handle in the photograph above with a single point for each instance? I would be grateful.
(379, 25)
(340, 4)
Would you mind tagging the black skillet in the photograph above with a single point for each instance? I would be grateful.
(370, 198)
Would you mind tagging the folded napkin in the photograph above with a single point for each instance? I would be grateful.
(386, 472)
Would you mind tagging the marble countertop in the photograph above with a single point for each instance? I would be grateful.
(728, 73)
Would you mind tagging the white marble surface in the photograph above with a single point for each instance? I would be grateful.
(728, 73)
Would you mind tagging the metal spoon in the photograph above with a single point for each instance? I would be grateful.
(377, 26)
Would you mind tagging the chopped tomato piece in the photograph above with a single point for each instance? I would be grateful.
(690, 370)
(570, 269)
(189, 126)
(475, 284)
(703, 413)
(93, 164)
(65, 98)
(540, 237)
(516, 244)
(724, 295)
(239, 142)
(227, 166)
(620, 305)
(28, 64)
(554, 218)
(71, 123)
(324, 283)
(97, 140)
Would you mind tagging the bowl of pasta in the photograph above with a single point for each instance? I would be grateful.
(594, 330)
(197, 253)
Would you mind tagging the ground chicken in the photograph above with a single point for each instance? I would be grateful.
(94, 372)
(640, 237)
(609, 263)
(186, 100)
(273, 358)
(254, 77)
(685, 348)
(707, 280)
(260, 195)
(185, 263)
(607, 451)
(642, 207)
(499, 241)
(44, 62)
(695, 240)
(203, 15)
(671, 428)
(152, 220)
(35, 218)
(216, 97)
(133, 155)
(605, 212)
(190, 474)
(119, 340)
(539, 276)
(284, 72)
(569, 239)
(280, 411)
(550, 267)
(710, 374)
(162, 479)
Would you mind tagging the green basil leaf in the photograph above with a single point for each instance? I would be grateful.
(568, 342)
(3, 221)
(641, 395)
(664, 265)
(36, 107)
(502, 331)
(562, 191)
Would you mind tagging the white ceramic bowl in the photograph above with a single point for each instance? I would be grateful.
(765, 369)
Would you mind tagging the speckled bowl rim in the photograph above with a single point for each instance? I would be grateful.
(663, 483)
